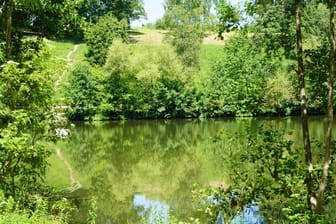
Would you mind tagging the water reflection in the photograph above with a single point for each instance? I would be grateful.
(152, 210)
(128, 164)
(250, 215)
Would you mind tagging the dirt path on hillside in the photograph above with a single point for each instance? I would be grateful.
(69, 61)
(75, 184)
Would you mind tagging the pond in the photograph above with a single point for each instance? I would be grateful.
(138, 170)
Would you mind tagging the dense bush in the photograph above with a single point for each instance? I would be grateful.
(119, 83)
(146, 85)
(239, 80)
(26, 120)
(43, 212)
(82, 92)
(100, 36)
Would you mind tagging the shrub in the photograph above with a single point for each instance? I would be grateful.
(82, 92)
(26, 121)
(238, 80)
(100, 36)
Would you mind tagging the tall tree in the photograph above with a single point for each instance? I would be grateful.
(9, 7)
(189, 11)
(26, 122)
(37, 17)
(228, 17)
(100, 36)
(327, 159)
(121, 9)
(304, 112)
(187, 21)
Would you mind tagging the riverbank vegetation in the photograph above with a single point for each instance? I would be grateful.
(115, 74)
(253, 74)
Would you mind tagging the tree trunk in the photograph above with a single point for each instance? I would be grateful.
(311, 200)
(9, 30)
(327, 159)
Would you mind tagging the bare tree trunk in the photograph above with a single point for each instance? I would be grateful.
(311, 200)
(327, 159)
(9, 30)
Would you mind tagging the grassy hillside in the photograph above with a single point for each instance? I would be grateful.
(145, 39)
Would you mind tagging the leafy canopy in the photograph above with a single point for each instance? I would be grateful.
(100, 36)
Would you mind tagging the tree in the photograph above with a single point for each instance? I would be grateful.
(100, 36)
(304, 112)
(9, 29)
(228, 18)
(26, 121)
(82, 92)
(37, 17)
(127, 10)
(187, 21)
(239, 78)
(119, 79)
(51, 18)
(316, 200)
(327, 159)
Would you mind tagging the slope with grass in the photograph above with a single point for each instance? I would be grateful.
(144, 39)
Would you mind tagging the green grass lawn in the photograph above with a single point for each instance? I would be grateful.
(147, 36)
(79, 55)
(57, 62)
(59, 49)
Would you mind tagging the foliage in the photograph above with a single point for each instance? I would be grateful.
(100, 36)
(317, 61)
(26, 121)
(82, 92)
(92, 211)
(316, 49)
(43, 18)
(119, 97)
(10, 214)
(65, 19)
(148, 85)
(228, 18)
(273, 28)
(127, 10)
(71, 24)
(187, 21)
(197, 12)
(265, 169)
(26, 49)
(186, 39)
(315, 23)
(279, 95)
(240, 78)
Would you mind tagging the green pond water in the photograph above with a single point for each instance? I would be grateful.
(139, 169)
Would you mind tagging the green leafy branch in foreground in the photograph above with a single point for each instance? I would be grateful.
(268, 171)
(26, 123)
(45, 212)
